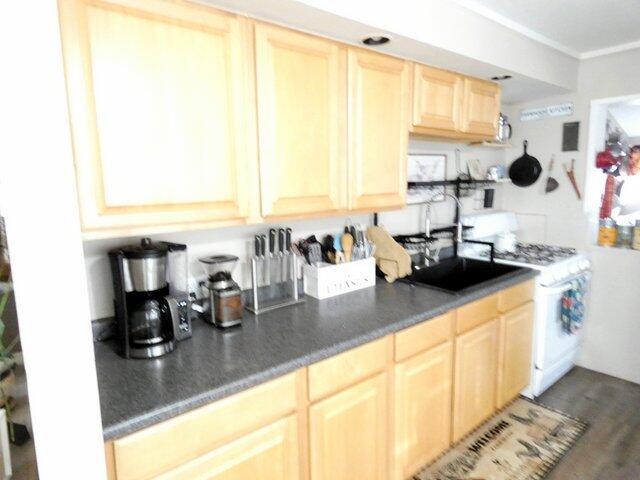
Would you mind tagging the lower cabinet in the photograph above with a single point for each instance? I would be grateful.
(379, 411)
(423, 388)
(514, 365)
(476, 363)
(271, 452)
(348, 433)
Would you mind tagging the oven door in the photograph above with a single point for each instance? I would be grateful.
(553, 343)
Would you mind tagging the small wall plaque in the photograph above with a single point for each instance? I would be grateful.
(570, 136)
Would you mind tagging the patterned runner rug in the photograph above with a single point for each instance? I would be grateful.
(524, 441)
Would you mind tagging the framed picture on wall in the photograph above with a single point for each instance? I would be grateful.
(426, 167)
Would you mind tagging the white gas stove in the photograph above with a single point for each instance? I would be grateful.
(554, 350)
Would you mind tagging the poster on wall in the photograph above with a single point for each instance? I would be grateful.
(560, 110)
(426, 167)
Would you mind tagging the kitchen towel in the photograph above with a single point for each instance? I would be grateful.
(391, 258)
(572, 310)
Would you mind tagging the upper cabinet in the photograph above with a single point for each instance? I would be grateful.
(160, 99)
(301, 86)
(184, 117)
(379, 92)
(480, 107)
(437, 96)
(449, 105)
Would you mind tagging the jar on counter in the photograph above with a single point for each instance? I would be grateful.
(607, 233)
(636, 236)
(625, 236)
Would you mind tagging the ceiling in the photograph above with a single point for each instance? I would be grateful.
(628, 117)
(581, 28)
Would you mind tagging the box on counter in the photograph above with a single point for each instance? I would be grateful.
(327, 280)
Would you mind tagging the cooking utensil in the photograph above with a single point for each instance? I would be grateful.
(347, 246)
(337, 248)
(525, 170)
(552, 183)
(504, 129)
(572, 177)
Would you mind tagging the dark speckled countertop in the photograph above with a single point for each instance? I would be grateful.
(213, 364)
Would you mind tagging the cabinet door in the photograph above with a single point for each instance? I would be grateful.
(158, 95)
(475, 378)
(378, 137)
(514, 365)
(480, 107)
(423, 386)
(271, 452)
(301, 84)
(437, 98)
(349, 433)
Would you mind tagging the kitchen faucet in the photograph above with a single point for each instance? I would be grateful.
(457, 234)
(427, 221)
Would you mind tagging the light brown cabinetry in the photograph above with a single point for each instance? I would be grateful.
(476, 362)
(183, 439)
(480, 107)
(514, 365)
(378, 411)
(437, 99)
(450, 105)
(301, 87)
(423, 389)
(378, 114)
(270, 452)
(348, 433)
(159, 99)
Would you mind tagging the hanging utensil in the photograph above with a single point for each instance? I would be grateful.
(572, 177)
(552, 183)
(525, 170)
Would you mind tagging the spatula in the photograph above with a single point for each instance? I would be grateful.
(552, 183)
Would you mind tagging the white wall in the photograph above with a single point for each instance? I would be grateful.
(39, 202)
(437, 32)
(239, 240)
(559, 218)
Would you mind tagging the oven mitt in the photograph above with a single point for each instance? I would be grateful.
(392, 259)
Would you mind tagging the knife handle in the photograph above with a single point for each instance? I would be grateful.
(288, 239)
(272, 240)
(263, 245)
(281, 240)
(256, 245)
(354, 235)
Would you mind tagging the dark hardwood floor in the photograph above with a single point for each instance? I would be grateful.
(610, 449)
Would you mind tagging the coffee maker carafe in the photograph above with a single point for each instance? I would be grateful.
(225, 296)
(151, 297)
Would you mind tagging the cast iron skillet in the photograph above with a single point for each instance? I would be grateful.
(525, 170)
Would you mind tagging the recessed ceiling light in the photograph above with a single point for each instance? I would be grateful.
(375, 40)
(499, 78)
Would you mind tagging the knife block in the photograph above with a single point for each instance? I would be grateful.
(271, 297)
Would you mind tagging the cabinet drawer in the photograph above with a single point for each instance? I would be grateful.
(336, 373)
(162, 447)
(515, 296)
(476, 313)
(421, 337)
(271, 452)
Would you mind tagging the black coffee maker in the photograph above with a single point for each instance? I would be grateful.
(150, 284)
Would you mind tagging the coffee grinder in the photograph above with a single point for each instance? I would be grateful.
(225, 295)
(150, 284)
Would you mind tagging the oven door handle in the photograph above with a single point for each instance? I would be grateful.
(557, 290)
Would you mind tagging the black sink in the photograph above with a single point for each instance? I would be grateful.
(458, 274)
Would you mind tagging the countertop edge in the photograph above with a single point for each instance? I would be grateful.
(166, 412)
